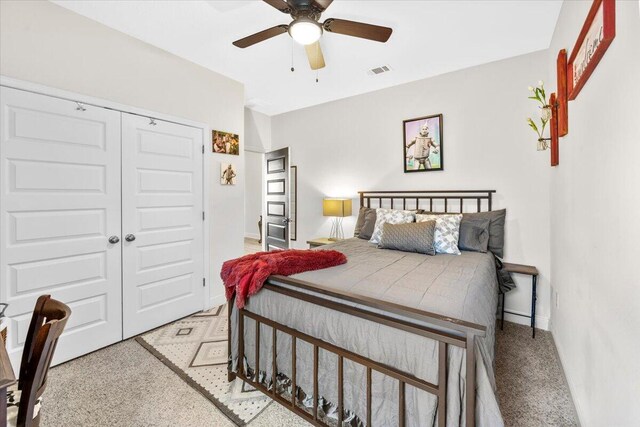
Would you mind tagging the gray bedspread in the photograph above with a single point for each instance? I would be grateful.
(463, 287)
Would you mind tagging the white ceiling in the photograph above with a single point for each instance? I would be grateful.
(429, 38)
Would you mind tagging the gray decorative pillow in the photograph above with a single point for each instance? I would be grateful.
(496, 227)
(474, 234)
(447, 232)
(393, 216)
(411, 237)
(369, 223)
(360, 222)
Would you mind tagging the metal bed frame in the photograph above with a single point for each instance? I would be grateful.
(445, 330)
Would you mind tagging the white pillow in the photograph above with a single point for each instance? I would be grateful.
(392, 216)
(447, 232)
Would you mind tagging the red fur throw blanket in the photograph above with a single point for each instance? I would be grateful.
(245, 276)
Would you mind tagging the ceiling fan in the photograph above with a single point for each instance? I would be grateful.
(307, 30)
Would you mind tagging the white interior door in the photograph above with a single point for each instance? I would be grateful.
(162, 220)
(59, 204)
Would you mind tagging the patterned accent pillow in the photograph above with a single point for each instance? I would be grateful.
(496, 227)
(392, 216)
(412, 237)
(447, 232)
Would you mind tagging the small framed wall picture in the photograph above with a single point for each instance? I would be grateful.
(225, 142)
(228, 174)
(422, 144)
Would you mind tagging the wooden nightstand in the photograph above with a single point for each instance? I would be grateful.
(319, 241)
(528, 270)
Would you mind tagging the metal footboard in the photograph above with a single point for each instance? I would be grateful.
(446, 331)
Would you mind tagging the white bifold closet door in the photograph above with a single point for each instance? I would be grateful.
(162, 245)
(59, 204)
(103, 211)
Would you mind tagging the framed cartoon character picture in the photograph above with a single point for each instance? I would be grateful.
(422, 144)
(228, 174)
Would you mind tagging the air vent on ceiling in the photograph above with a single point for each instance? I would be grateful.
(379, 70)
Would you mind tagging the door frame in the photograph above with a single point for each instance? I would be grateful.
(206, 158)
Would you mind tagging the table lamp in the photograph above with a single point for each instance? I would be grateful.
(338, 209)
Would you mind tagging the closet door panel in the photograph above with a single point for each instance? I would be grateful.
(162, 207)
(59, 204)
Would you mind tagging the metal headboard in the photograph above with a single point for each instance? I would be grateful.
(434, 201)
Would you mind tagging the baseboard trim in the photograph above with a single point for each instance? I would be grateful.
(570, 386)
(254, 236)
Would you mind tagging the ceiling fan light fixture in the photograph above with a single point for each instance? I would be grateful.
(305, 31)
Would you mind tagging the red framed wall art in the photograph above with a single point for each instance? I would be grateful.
(563, 102)
(597, 33)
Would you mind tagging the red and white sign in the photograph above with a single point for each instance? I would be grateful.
(596, 35)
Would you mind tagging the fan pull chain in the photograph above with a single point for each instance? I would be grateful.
(292, 46)
(317, 80)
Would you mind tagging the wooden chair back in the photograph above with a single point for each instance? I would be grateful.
(47, 323)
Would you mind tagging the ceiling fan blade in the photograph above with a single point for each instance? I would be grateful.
(261, 36)
(315, 56)
(358, 29)
(322, 5)
(281, 5)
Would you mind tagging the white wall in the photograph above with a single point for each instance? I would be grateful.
(595, 206)
(253, 193)
(47, 44)
(356, 144)
(257, 129)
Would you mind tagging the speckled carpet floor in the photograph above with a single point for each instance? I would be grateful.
(532, 390)
(125, 385)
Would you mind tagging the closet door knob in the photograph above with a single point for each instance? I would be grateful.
(129, 237)
(114, 239)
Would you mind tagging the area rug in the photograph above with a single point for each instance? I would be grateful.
(195, 348)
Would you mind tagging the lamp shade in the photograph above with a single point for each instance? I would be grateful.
(336, 207)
